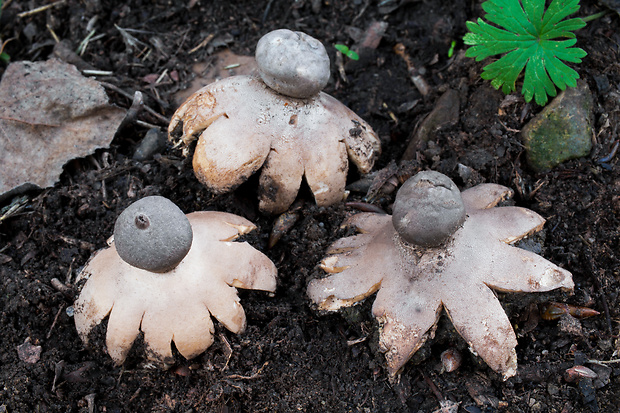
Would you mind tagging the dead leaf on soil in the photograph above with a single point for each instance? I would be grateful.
(225, 64)
(49, 115)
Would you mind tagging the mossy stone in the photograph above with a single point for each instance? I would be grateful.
(561, 131)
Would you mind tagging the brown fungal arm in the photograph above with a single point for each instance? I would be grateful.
(280, 177)
(408, 314)
(226, 308)
(194, 116)
(357, 271)
(255, 272)
(228, 152)
(343, 289)
(194, 337)
(363, 144)
(489, 333)
(507, 224)
(97, 297)
(515, 269)
(124, 325)
(326, 169)
(484, 196)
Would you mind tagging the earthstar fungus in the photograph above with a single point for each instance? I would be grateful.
(174, 297)
(280, 122)
(458, 274)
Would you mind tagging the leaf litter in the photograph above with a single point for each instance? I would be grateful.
(50, 115)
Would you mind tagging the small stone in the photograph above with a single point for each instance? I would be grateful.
(153, 142)
(603, 375)
(28, 352)
(561, 131)
(553, 389)
(444, 115)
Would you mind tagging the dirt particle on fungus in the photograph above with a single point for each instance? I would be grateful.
(357, 130)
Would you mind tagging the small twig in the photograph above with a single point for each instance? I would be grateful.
(40, 9)
(356, 341)
(91, 72)
(415, 74)
(118, 90)
(252, 377)
(161, 77)
(135, 395)
(509, 129)
(362, 11)
(145, 124)
(84, 44)
(58, 369)
(202, 44)
(340, 65)
(433, 388)
(604, 362)
(69, 272)
(49, 333)
(16, 205)
(3, 45)
(53, 33)
(137, 104)
(60, 286)
(593, 273)
(227, 350)
(130, 41)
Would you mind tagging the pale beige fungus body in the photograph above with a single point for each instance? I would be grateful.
(243, 125)
(415, 283)
(177, 305)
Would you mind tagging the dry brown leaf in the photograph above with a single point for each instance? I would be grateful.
(49, 115)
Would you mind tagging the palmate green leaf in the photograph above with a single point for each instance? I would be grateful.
(526, 34)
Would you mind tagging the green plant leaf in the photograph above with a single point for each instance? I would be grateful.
(347, 52)
(353, 55)
(342, 48)
(527, 34)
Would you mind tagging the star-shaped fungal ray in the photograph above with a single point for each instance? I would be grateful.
(175, 305)
(456, 273)
(243, 125)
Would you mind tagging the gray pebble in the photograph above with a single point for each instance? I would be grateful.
(153, 142)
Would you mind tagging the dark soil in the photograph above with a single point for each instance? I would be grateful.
(291, 358)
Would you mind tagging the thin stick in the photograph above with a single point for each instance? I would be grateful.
(252, 377)
(49, 333)
(40, 9)
(202, 44)
(161, 118)
(604, 362)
